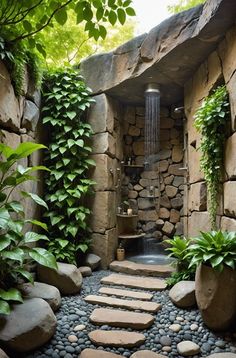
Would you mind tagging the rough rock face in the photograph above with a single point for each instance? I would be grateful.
(29, 325)
(93, 261)
(161, 53)
(67, 278)
(41, 290)
(215, 295)
(183, 294)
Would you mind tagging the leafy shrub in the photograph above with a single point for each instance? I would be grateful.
(65, 99)
(15, 252)
(211, 121)
(216, 249)
(178, 250)
(175, 277)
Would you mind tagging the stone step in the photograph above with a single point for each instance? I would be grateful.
(97, 353)
(147, 283)
(123, 319)
(126, 293)
(127, 304)
(146, 354)
(132, 268)
(117, 338)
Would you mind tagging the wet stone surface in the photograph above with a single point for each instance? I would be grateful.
(75, 312)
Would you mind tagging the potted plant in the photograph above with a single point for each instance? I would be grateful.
(214, 253)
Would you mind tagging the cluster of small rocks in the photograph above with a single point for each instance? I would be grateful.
(172, 326)
(164, 176)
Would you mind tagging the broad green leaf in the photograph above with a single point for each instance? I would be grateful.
(35, 198)
(25, 274)
(121, 16)
(15, 206)
(43, 257)
(4, 218)
(4, 307)
(31, 236)
(16, 254)
(27, 148)
(61, 16)
(130, 11)
(38, 223)
(11, 295)
(71, 115)
(4, 242)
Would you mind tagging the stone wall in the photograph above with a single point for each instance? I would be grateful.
(218, 68)
(105, 117)
(19, 118)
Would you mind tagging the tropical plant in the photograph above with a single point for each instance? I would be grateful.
(211, 120)
(178, 247)
(185, 275)
(15, 250)
(66, 251)
(181, 5)
(216, 249)
(65, 99)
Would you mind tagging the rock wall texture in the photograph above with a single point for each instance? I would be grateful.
(218, 68)
(19, 117)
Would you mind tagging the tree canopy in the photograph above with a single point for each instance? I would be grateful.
(181, 5)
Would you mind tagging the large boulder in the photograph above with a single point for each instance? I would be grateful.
(92, 261)
(67, 278)
(215, 295)
(3, 354)
(28, 326)
(183, 294)
(49, 293)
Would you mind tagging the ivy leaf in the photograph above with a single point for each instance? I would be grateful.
(35, 198)
(71, 115)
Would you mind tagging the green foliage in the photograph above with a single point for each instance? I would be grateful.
(66, 251)
(17, 58)
(175, 277)
(178, 247)
(211, 122)
(181, 5)
(15, 252)
(65, 99)
(216, 249)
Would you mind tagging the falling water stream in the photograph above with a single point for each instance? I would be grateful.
(152, 250)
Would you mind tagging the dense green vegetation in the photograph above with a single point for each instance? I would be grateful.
(211, 120)
(65, 100)
(16, 250)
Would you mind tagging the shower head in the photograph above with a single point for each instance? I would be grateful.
(152, 87)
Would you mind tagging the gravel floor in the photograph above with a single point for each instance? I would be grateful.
(74, 311)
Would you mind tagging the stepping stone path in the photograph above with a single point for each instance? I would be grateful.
(133, 268)
(153, 284)
(117, 338)
(124, 318)
(117, 318)
(126, 293)
(128, 304)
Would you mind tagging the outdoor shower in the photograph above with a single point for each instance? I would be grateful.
(152, 125)
(152, 251)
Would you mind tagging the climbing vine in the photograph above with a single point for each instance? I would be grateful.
(211, 122)
(65, 99)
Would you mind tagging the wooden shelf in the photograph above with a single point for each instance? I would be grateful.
(130, 236)
(134, 166)
(127, 216)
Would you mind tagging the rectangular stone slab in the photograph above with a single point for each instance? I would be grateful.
(123, 319)
(126, 293)
(117, 338)
(128, 304)
(95, 353)
(147, 283)
(132, 268)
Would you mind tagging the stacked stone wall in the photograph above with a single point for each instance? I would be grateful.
(19, 122)
(218, 68)
(159, 216)
(105, 118)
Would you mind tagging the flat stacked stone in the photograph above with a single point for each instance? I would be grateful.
(127, 304)
(147, 283)
(117, 338)
(133, 268)
(126, 293)
(95, 353)
(123, 319)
